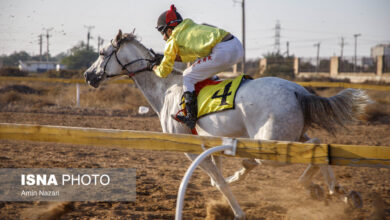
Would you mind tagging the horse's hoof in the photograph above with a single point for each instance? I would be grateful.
(249, 164)
(340, 190)
(354, 200)
(241, 216)
(316, 192)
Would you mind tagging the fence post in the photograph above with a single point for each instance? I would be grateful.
(334, 66)
(77, 95)
(262, 65)
(379, 65)
(235, 68)
(296, 66)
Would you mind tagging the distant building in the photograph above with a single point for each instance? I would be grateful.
(1, 63)
(380, 50)
(37, 66)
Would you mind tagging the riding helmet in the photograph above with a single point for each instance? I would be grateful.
(170, 18)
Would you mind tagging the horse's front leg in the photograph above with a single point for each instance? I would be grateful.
(217, 161)
(247, 166)
(209, 167)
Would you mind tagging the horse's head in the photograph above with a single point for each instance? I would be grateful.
(122, 54)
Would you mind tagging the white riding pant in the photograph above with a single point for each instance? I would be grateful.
(223, 56)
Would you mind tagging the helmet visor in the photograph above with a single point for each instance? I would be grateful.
(161, 28)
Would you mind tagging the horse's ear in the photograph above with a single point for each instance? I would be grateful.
(118, 36)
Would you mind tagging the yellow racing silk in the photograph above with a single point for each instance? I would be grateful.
(219, 97)
(190, 41)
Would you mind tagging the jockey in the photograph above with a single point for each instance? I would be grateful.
(211, 50)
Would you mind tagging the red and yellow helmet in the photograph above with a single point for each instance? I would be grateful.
(170, 18)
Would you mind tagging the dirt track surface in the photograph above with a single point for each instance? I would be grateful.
(267, 193)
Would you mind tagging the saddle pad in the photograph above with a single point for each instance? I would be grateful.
(218, 97)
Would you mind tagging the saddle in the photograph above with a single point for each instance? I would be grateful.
(215, 95)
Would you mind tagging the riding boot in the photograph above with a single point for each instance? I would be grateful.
(191, 108)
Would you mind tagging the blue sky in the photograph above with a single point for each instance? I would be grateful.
(303, 23)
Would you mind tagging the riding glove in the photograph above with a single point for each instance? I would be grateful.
(156, 61)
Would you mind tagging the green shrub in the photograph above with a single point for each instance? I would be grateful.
(12, 71)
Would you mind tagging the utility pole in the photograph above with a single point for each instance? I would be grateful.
(40, 47)
(342, 44)
(89, 34)
(243, 32)
(100, 42)
(355, 59)
(318, 55)
(47, 43)
(288, 48)
(277, 37)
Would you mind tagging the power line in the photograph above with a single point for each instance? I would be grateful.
(309, 31)
(261, 29)
(261, 47)
(303, 40)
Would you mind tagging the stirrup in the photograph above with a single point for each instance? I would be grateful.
(185, 120)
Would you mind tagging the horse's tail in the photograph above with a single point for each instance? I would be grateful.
(338, 110)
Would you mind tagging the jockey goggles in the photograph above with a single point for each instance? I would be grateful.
(163, 28)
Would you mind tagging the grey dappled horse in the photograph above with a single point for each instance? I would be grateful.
(266, 108)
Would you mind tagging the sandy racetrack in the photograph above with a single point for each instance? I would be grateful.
(268, 192)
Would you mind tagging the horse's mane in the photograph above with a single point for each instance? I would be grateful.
(126, 37)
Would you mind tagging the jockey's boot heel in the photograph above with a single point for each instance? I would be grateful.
(192, 110)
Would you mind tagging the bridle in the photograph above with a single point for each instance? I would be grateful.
(124, 66)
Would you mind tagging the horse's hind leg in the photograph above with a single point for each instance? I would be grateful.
(352, 198)
(329, 177)
(305, 179)
(209, 167)
(311, 170)
(307, 175)
(315, 190)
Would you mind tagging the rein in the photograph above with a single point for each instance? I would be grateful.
(124, 66)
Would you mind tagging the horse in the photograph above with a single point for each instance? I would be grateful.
(268, 108)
